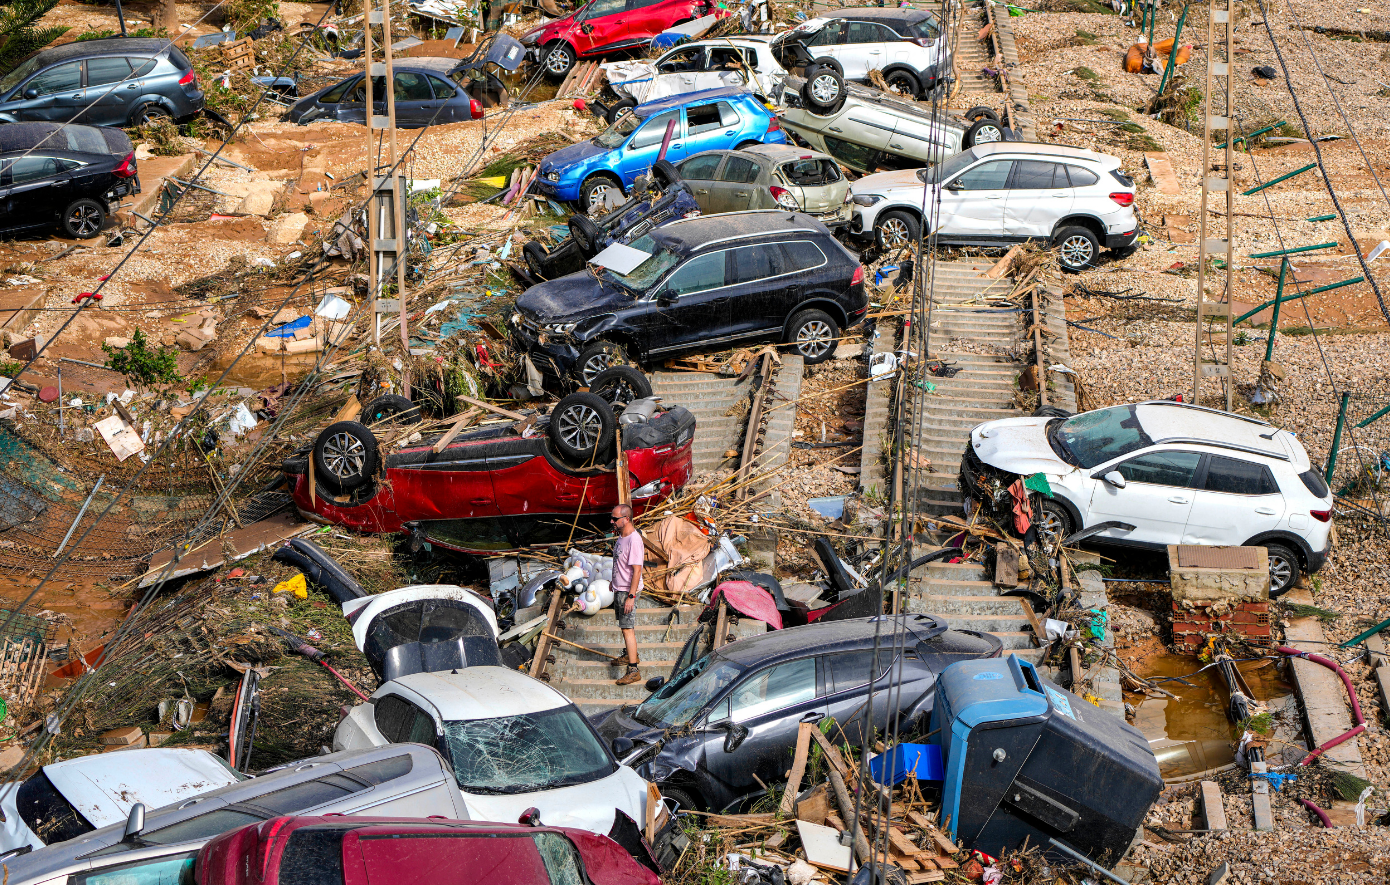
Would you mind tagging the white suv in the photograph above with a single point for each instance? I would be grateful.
(1160, 473)
(908, 46)
(1003, 193)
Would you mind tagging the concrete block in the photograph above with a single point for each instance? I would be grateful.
(258, 202)
(1382, 678)
(1235, 574)
(122, 737)
(1212, 810)
(1259, 798)
(10, 757)
(116, 342)
(158, 737)
(287, 228)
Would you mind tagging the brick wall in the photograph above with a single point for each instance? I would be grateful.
(1194, 621)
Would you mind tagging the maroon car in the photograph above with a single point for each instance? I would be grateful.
(340, 850)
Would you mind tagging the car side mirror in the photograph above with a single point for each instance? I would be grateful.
(32, 92)
(135, 824)
(666, 297)
(1115, 479)
(655, 683)
(622, 746)
(734, 736)
(953, 186)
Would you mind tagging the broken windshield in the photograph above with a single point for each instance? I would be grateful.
(947, 170)
(616, 134)
(677, 702)
(645, 275)
(521, 754)
(1093, 438)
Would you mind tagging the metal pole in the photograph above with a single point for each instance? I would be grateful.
(1337, 438)
(1173, 55)
(373, 229)
(1274, 321)
(666, 140)
(85, 504)
(1067, 849)
(62, 425)
(120, 14)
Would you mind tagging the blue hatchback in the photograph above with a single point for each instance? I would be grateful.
(712, 119)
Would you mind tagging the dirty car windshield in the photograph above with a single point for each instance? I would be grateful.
(644, 276)
(520, 754)
(677, 702)
(616, 134)
(19, 74)
(1093, 438)
(946, 170)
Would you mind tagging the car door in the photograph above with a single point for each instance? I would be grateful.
(644, 19)
(37, 189)
(848, 686)
(110, 89)
(733, 189)
(862, 49)
(759, 285)
(972, 205)
(602, 25)
(415, 100)
(699, 312)
(1236, 500)
(708, 127)
(828, 42)
(1156, 499)
(452, 98)
(701, 173)
(685, 64)
(771, 702)
(55, 94)
(928, 140)
(642, 148)
(1039, 195)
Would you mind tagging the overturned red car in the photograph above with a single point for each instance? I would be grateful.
(500, 487)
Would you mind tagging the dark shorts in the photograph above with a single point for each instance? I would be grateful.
(626, 621)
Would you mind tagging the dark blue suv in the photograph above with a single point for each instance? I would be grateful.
(709, 120)
(119, 81)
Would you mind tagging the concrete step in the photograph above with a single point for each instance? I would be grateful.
(1002, 607)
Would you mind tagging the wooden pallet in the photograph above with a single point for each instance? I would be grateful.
(239, 54)
(22, 668)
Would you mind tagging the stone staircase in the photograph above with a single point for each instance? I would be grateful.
(968, 600)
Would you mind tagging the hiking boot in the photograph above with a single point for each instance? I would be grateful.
(633, 675)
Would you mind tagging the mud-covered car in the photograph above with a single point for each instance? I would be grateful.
(770, 176)
(499, 487)
(690, 67)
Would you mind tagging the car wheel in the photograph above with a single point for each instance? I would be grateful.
(534, 255)
(1283, 569)
(980, 112)
(683, 799)
(587, 235)
(814, 335)
(595, 188)
(558, 61)
(665, 174)
(903, 83)
(747, 144)
(83, 219)
(620, 107)
(824, 90)
(983, 132)
(391, 407)
(149, 113)
(582, 428)
(620, 385)
(1054, 523)
(345, 456)
(597, 358)
(897, 230)
(826, 61)
(1077, 249)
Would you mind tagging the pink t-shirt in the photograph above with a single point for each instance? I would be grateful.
(628, 553)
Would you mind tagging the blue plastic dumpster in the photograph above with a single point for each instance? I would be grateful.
(1027, 759)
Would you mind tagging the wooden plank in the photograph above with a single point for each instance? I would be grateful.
(815, 807)
(1001, 267)
(1005, 566)
(823, 848)
(900, 843)
(543, 642)
(721, 624)
(1039, 635)
(349, 412)
(465, 419)
(921, 820)
(832, 753)
(1161, 171)
(482, 404)
(653, 800)
(943, 844)
(925, 876)
(624, 485)
(1074, 660)
(798, 769)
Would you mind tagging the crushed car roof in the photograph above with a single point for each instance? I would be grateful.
(103, 788)
(483, 693)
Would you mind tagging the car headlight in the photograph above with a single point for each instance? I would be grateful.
(561, 328)
(552, 176)
(865, 199)
(530, 38)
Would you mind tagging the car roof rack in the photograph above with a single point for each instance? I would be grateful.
(1169, 402)
(1192, 440)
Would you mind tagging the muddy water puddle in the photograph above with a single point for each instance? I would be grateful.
(1192, 734)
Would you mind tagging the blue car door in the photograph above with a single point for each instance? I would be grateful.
(709, 126)
(641, 149)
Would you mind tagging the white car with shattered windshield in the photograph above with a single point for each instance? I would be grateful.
(514, 743)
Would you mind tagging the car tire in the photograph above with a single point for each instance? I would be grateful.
(534, 254)
(823, 93)
(582, 428)
(894, 230)
(1054, 522)
(83, 219)
(665, 174)
(1284, 569)
(558, 60)
(1077, 249)
(595, 186)
(903, 83)
(984, 131)
(620, 106)
(392, 407)
(980, 112)
(587, 235)
(1051, 412)
(747, 144)
(825, 61)
(346, 456)
(813, 334)
(621, 385)
(684, 799)
(149, 113)
(597, 358)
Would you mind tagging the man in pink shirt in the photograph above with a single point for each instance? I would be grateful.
(628, 553)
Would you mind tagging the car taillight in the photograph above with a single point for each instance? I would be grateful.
(1321, 515)
(774, 125)
(127, 167)
(1124, 198)
(858, 278)
(475, 108)
(189, 78)
(784, 198)
(923, 41)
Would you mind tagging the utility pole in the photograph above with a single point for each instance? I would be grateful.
(386, 230)
(1216, 182)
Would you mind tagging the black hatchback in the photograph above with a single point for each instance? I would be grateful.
(69, 176)
(729, 721)
(698, 284)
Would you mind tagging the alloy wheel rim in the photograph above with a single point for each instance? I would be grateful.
(1280, 571)
(988, 135)
(894, 232)
(1076, 251)
(597, 193)
(344, 455)
(1049, 526)
(580, 426)
(596, 364)
(557, 62)
(825, 89)
(84, 220)
(813, 339)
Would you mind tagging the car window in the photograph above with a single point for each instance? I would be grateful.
(60, 79)
(204, 826)
(727, 115)
(990, 176)
(66, 165)
(313, 856)
(442, 89)
(683, 60)
(176, 869)
(335, 95)
(1234, 476)
(829, 35)
(1162, 468)
(639, 4)
(561, 859)
(383, 770)
(654, 130)
(701, 118)
(26, 169)
(1037, 175)
(867, 32)
(411, 86)
(927, 28)
(600, 8)
(810, 173)
(773, 688)
(854, 155)
(309, 794)
(143, 66)
(400, 721)
(47, 812)
(698, 274)
(701, 167)
(449, 858)
(1081, 177)
(680, 699)
(748, 264)
(739, 170)
(802, 255)
(519, 754)
(101, 71)
(731, 59)
(852, 668)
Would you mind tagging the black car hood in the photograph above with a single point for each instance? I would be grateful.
(619, 723)
(572, 297)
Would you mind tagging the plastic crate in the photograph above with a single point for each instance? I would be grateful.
(922, 760)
